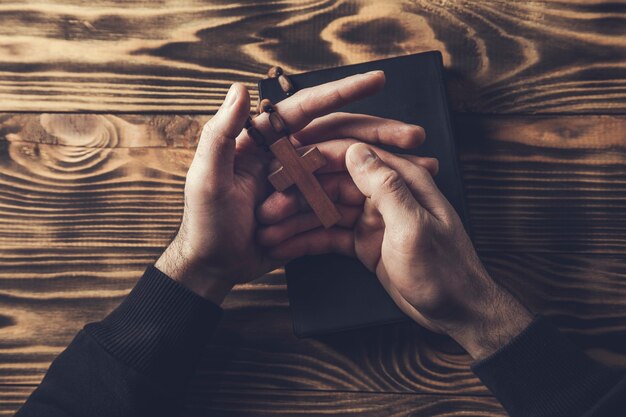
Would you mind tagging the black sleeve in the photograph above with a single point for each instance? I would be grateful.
(135, 362)
(542, 374)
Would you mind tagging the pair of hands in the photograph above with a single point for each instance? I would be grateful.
(394, 219)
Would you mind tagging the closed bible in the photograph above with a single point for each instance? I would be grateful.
(331, 293)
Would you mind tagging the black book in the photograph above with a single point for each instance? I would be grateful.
(331, 293)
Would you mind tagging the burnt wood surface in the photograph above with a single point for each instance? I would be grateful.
(102, 104)
(181, 55)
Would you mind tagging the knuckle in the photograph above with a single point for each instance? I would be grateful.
(302, 109)
(338, 97)
(301, 97)
(451, 221)
(303, 92)
(421, 172)
(390, 181)
(378, 134)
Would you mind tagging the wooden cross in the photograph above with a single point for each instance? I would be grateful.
(299, 170)
(295, 170)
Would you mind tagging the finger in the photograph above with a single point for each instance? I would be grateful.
(298, 110)
(371, 219)
(334, 152)
(278, 206)
(303, 222)
(422, 186)
(315, 242)
(339, 186)
(215, 154)
(370, 129)
(383, 185)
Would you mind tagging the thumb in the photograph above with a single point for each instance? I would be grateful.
(382, 184)
(215, 155)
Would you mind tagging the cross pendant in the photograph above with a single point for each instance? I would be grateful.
(299, 170)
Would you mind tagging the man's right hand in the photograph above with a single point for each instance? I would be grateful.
(411, 237)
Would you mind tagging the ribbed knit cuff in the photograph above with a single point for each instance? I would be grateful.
(541, 373)
(159, 329)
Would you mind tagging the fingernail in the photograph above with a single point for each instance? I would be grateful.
(375, 72)
(362, 156)
(231, 96)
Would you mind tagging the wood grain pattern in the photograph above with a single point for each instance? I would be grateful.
(103, 131)
(87, 201)
(404, 358)
(502, 56)
(533, 183)
(225, 403)
(11, 397)
(255, 348)
(545, 183)
(307, 403)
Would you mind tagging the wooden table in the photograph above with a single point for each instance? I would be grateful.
(102, 102)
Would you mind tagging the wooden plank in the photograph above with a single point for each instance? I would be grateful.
(539, 184)
(103, 131)
(86, 201)
(254, 347)
(306, 403)
(545, 183)
(584, 297)
(201, 402)
(43, 306)
(114, 55)
(12, 397)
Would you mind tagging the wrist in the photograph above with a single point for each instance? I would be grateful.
(183, 268)
(499, 320)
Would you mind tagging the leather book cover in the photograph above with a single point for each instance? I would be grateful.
(331, 293)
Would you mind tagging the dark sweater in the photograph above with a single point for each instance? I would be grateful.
(139, 359)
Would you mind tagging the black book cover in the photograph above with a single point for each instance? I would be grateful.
(331, 293)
